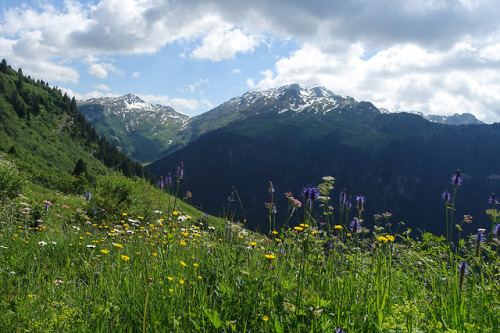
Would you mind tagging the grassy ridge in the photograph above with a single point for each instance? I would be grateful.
(134, 258)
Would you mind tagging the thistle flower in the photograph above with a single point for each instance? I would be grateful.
(456, 180)
(360, 200)
(354, 226)
(493, 199)
(446, 196)
(462, 269)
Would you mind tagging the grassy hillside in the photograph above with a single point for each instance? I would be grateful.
(41, 130)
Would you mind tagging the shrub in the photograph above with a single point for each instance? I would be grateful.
(12, 181)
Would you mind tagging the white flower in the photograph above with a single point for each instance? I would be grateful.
(42, 243)
(92, 246)
(3, 247)
(76, 227)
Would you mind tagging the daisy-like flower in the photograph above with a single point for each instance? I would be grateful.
(390, 238)
(104, 251)
(338, 227)
(118, 245)
(265, 318)
(270, 256)
(125, 258)
(183, 263)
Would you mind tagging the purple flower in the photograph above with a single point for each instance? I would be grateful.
(47, 207)
(180, 171)
(168, 180)
(479, 240)
(354, 226)
(340, 330)
(271, 187)
(493, 199)
(88, 195)
(446, 196)
(160, 183)
(360, 200)
(343, 198)
(310, 193)
(456, 180)
(496, 231)
(230, 197)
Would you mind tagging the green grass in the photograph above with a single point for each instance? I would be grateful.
(158, 268)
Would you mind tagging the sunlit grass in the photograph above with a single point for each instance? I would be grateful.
(174, 269)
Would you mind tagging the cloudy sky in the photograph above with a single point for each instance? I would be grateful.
(433, 56)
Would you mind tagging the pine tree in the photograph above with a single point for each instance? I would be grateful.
(80, 167)
(20, 79)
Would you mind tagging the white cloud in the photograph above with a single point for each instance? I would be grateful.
(136, 75)
(101, 70)
(102, 87)
(194, 86)
(236, 71)
(220, 45)
(178, 104)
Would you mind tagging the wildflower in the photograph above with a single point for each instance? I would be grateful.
(265, 318)
(118, 245)
(274, 232)
(168, 180)
(88, 195)
(461, 273)
(104, 251)
(456, 180)
(183, 263)
(58, 282)
(310, 193)
(160, 183)
(338, 227)
(446, 196)
(271, 187)
(181, 281)
(42, 243)
(382, 239)
(196, 265)
(342, 199)
(468, 219)
(189, 194)
(299, 229)
(340, 330)
(493, 199)
(303, 225)
(270, 256)
(230, 197)
(354, 225)
(180, 171)
(199, 277)
(390, 238)
(496, 231)
(175, 213)
(253, 244)
(91, 246)
(155, 254)
(479, 240)
(170, 278)
(360, 200)
(125, 258)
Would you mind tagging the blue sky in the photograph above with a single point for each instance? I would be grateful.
(434, 56)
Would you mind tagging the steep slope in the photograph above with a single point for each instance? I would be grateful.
(140, 129)
(400, 162)
(43, 132)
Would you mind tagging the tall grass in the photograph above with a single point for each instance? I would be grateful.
(156, 264)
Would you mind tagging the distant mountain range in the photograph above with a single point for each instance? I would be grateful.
(150, 131)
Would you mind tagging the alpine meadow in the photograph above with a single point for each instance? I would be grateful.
(291, 209)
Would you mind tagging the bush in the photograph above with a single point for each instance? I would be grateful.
(12, 181)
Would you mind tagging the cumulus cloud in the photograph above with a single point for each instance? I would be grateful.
(433, 56)
(178, 104)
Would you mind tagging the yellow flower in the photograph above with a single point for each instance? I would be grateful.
(171, 290)
(117, 245)
(338, 227)
(175, 213)
(199, 277)
(390, 238)
(181, 281)
(274, 232)
(277, 240)
(105, 251)
(382, 239)
(29, 295)
(265, 318)
(170, 278)
(299, 228)
(270, 256)
(303, 225)
(183, 243)
(185, 234)
(183, 263)
(253, 244)
(196, 265)
(125, 258)
(155, 254)
(124, 214)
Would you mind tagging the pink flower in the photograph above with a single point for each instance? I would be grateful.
(58, 282)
